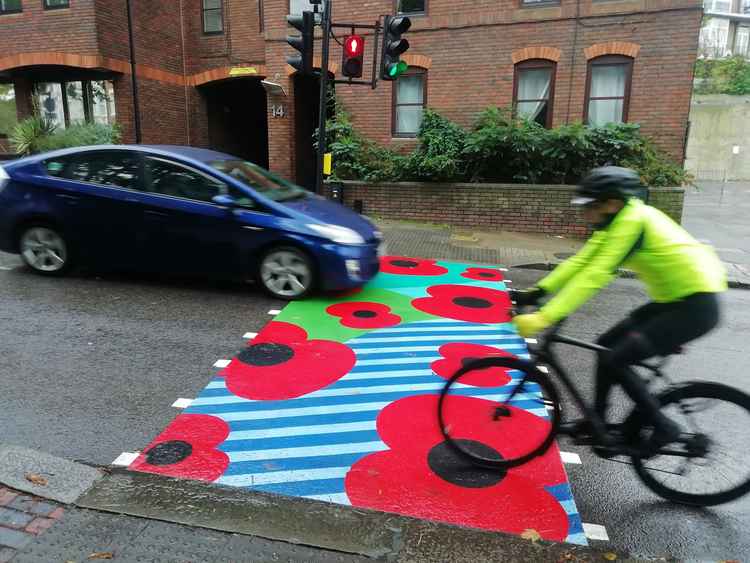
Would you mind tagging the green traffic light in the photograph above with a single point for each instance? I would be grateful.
(397, 69)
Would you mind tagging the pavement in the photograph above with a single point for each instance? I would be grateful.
(715, 213)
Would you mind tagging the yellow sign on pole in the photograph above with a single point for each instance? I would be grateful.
(327, 163)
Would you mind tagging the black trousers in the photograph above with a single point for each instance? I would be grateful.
(656, 329)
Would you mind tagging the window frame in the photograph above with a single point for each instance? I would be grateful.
(87, 97)
(410, 14)
(4, 12)
(610, 60)
(203, 17)
(533, 64)
(394, 101)
(48, 7)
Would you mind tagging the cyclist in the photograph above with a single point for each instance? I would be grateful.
(682, 276)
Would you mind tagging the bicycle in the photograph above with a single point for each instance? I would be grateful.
(535, 388)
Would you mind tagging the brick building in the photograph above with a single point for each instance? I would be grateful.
(199, 66)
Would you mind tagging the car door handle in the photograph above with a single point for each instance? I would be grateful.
(156, 213)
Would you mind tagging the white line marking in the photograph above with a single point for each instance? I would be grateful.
(250, 335)
(274, 312)
(595, 532)
(503, 269)
(182, 403)
(126, 458)
(222, 363)
(338, 498)
(441, 339)
(543, 369)
(291, 476)
(301, 430)
(307, 451)
(5, 268)
(531, 340)
(570, 457)
(507, 281)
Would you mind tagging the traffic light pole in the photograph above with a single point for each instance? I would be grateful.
(325, 25)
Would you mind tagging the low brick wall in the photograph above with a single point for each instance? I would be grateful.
(509, 207)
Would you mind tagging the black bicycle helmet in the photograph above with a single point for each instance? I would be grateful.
(608, 182)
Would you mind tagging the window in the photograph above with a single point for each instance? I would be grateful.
(299, 6)
(68, 103)
(258, 179)
(608, 90)
(213, 16)
(55, 4)
(409, 101)
(718, 6)
(411, 6)
(10, 6)
(8, 115)
(121, 169)
(742, 41)
(170, 178)
(534, 91)
(714, 38)
(535, 3)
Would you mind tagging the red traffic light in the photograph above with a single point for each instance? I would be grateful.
(354, 45)
(353, 56)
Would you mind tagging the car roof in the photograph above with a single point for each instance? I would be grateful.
(186, 152)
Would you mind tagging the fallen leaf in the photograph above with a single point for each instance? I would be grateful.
(102, 555)
(609, 556)
(531, 535)
(36, 479)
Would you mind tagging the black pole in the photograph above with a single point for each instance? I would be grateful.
(133, 78)
(325, 25)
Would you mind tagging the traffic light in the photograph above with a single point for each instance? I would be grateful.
(391, 65)
(304, 23)
(353, 57)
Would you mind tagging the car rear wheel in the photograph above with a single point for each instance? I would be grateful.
(286, 273)
(44, 249)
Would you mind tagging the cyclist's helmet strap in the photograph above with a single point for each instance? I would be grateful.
(610, 182)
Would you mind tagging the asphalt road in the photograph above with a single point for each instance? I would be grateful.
(89, 368)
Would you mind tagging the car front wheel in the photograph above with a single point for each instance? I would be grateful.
(286, 273)
(44, 249)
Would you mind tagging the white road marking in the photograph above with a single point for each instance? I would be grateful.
(570, 457)
(595, 532)
(543, 369)
(250, 335)
(531, 340)
(182, 403)
(274, 312)
(222, 363)
(126, 458)
(5, 268)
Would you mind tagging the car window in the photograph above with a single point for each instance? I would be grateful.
(110, 168)
(170, 178)
(260, 180)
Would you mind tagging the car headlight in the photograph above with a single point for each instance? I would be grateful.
(336, 233)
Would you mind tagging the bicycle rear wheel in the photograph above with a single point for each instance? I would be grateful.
(518, 408)
(714, 465)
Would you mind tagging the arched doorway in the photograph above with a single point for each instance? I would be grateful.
(237, 112)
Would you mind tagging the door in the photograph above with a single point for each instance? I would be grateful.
(98, 191)
(183, 230)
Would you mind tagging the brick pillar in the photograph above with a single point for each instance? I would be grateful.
(281, 137)
(124, 107)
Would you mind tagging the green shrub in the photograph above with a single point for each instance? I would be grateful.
(81, 134)
(723, 76)
(499, 148)
(27, 135)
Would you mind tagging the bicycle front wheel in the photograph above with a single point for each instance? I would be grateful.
(711, 463)
(499, 412)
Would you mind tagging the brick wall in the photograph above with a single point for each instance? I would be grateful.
(509, 207)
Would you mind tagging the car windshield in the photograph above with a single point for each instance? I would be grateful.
(260, 180)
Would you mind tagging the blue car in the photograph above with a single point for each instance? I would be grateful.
(180, 210)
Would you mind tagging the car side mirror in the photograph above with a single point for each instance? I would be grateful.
(224, 201)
